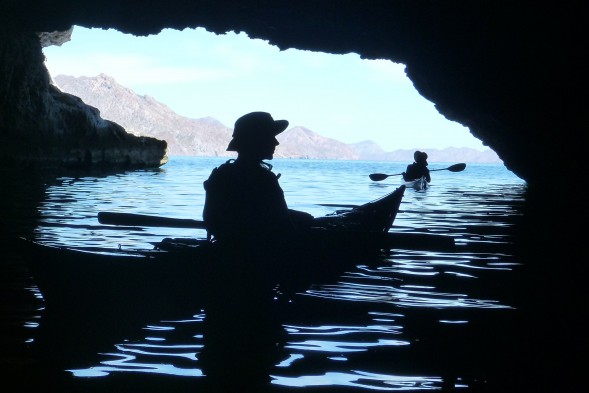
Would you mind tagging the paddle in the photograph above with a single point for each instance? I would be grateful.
(143, 220)
(452, 168)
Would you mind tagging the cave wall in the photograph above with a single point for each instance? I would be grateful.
(42, 127)
(512, 73)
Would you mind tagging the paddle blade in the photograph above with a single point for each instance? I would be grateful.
(377, 176)
(457, 167)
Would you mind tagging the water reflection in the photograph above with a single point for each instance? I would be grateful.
(154, 354)
(410, 320)
(365, 381)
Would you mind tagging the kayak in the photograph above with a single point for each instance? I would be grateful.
(417, 184)
(95, 295)
(358, 227)
(139, 280)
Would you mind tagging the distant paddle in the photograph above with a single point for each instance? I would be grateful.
(452, 168)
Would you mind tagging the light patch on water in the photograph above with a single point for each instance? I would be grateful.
(291, 359)
(343, 346)
(363, 380)
(126, 365)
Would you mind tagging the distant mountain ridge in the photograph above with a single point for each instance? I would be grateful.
(144, 115)
(369, 150)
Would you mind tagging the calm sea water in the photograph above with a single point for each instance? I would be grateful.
(176, 190)
(412, 320)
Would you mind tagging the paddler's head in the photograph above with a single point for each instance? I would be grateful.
(420, 157)
(254, 135)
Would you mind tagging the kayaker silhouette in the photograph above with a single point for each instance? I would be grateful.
(418, 168)
(247, 218)
(244, 202)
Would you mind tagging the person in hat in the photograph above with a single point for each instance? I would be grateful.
(245, 211)
(244, 201)
(418, 168)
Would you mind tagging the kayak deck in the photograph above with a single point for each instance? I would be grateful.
(375, 216)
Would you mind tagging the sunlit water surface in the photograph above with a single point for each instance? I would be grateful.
(393, 306)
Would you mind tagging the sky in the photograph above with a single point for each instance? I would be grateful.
(199, 74)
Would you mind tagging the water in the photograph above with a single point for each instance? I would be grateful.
(412, 320)
(176, 190)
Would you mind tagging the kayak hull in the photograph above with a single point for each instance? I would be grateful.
(417, 184)
(170, 277)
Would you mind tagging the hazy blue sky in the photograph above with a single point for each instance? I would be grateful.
(199, 74)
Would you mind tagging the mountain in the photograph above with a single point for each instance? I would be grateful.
(300, 142)
(144, 115)
(368, 150)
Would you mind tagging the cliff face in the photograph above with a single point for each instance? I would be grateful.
(41, 126)
(144, 115)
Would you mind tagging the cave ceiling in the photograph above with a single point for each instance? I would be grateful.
(511, 72)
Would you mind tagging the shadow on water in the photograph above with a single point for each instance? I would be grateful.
(502, 313)
(242, 331)
(238, 340)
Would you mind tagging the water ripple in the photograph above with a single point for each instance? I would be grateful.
(338, 334)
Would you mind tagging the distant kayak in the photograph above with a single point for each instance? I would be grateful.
(417, 184)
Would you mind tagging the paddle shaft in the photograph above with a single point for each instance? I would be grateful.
(143, 220)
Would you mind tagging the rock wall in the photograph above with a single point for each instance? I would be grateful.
(41, 126)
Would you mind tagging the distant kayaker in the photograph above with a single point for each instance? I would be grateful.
(418, 168)
(244, 201)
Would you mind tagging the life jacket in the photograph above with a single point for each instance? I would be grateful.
(415, 171)
(244, 202)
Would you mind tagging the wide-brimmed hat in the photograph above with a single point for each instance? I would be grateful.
(420, 156)
(255, 126)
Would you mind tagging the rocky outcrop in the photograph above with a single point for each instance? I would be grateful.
(42, 126)
(144, 115)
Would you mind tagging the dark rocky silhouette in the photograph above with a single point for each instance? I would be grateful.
(43, 127)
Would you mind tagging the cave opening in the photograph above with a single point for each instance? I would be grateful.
(198, 74)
